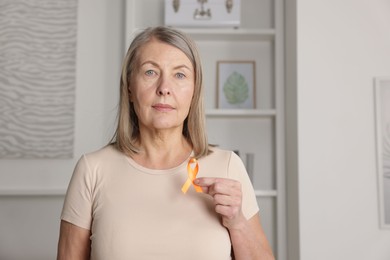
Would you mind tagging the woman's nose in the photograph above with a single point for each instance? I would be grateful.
(164, 87)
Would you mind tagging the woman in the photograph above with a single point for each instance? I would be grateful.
(138, 197)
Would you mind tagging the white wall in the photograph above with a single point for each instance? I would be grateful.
(340, 47)
(29, 224)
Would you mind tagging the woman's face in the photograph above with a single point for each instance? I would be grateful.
(162, 87)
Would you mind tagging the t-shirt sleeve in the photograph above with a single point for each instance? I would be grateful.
(77, 207)
(237, 171)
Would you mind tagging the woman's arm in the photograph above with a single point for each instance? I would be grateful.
(247, 236)
(74, 242)
(250, 242)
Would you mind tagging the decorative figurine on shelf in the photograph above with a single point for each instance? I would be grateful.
(229, 5)
(202, 14)
(176, 5)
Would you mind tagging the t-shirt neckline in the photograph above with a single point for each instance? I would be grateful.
(173, 170)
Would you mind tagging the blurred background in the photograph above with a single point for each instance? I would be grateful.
(309, 143)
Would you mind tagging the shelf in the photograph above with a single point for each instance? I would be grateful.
(240, 112)
(266, 193)
(230, 34)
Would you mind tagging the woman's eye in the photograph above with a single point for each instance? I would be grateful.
(149, 72)
(180, 75)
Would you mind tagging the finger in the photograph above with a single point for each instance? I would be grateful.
(231, 189)
(213, 186)
(205, 181)
(228, 200)
(208, 181)
(227, 211)
(221, 188)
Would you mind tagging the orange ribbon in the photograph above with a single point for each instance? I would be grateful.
(192, 172)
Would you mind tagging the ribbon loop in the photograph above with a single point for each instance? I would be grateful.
(192, 172)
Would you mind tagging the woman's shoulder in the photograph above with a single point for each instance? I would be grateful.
(221, 153)
(107, 153)
(218, 162)
(221, 156)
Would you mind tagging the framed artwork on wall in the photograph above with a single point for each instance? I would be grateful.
(382, 111)
(38, 79)
(236, 85)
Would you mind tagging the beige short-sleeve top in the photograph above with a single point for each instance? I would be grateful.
(141, 214)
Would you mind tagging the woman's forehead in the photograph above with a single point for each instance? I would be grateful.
(157, 51)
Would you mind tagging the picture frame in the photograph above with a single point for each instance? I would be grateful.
(382, 119)
(236, 84)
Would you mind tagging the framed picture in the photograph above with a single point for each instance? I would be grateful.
(236, 85)
(382, 110)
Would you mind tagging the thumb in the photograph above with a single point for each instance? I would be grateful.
(204, 183)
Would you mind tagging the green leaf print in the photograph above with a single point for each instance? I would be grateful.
(236, 89)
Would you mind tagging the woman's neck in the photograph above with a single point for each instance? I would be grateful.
(162, 150)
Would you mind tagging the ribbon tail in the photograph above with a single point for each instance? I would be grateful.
(197, 188)
(186, 185)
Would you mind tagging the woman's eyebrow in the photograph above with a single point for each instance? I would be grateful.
(183, 66)
(149, 62)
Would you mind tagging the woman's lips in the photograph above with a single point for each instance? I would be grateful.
(163, 107)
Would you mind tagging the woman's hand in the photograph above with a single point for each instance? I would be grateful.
(247, 236)
(227, 197)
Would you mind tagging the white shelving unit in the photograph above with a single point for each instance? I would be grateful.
(259, 131)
